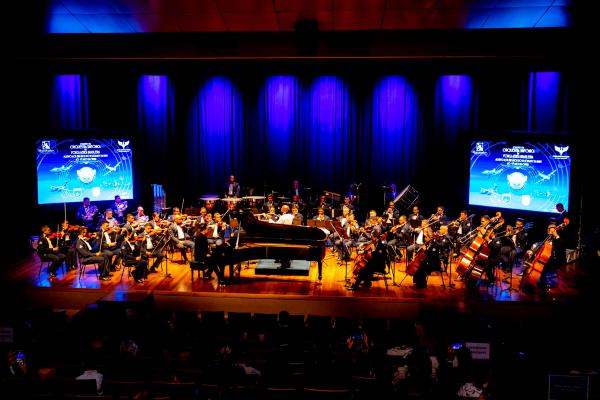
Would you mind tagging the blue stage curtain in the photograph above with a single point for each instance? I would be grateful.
(155, 124)
(546, 102)
(277, 141)
(69, 102)
(454, 122)
(454, 109)
(214, 135)
(395, 140)
(327, 124)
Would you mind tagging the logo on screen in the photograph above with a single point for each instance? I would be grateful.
(561, 150)
(47, 147)
(481, 148)
(123, 145)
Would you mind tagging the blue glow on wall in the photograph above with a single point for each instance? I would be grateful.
(454, 107)
(155, 121)
(327, 128)
(545, 108)
(215, 132)
(395, 121)
(68, 102)
(281, 103)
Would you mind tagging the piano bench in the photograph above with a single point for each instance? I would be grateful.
(199, 266)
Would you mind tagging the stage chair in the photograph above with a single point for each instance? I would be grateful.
(83, 266)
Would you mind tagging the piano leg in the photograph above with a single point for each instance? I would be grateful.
(320, 266)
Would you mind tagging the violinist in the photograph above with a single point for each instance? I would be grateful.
(375, 254)
(109, 217)
(152, 241)
(401, 236)
(110, 248)
(181, 239)
(68, 236)
(87, 256)
(50, 251)
(130, 228)
(133, 256)
(158, 224)
(372, 222)
(340, 241)
(218, 229)
(424, 235)
(176, 213)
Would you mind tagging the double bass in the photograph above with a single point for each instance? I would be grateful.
(536, 266)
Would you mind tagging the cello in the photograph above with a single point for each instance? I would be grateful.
(468, 257)
(362, 259)
(542, 255)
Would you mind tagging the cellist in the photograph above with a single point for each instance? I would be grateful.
(557, 258)
(375, 254)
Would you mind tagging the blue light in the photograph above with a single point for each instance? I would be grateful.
(328, 127)
(454, 106)
(281, 102)
(68, 105)
(545, 112)
(395, 122)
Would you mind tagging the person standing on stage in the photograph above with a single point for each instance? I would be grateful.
(86, 213)
(119, 207)
(232, 188)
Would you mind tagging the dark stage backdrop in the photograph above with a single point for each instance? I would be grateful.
(328, 129)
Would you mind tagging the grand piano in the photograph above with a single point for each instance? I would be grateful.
(262, 240)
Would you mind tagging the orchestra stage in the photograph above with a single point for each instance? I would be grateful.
(173, 288)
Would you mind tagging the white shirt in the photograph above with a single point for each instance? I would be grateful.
(92, 374)
(180, 234)
(285, 219)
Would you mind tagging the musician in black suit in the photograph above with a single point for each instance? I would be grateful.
(86, 214)
(296, 190)
(181, 239)
(556, 260)
(87, 256)
(49, 251)
(376, 263)
(231, 188)
(153, 244)
(133, 256)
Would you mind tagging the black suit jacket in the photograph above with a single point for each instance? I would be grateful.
(236, 190)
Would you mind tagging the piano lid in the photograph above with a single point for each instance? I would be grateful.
(264, 230)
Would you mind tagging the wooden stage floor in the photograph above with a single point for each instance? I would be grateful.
(271, 293)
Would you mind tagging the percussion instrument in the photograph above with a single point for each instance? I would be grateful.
(210, 197)
(254, 198)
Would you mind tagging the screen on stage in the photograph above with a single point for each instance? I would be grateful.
(70, 169)
(520, 176)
